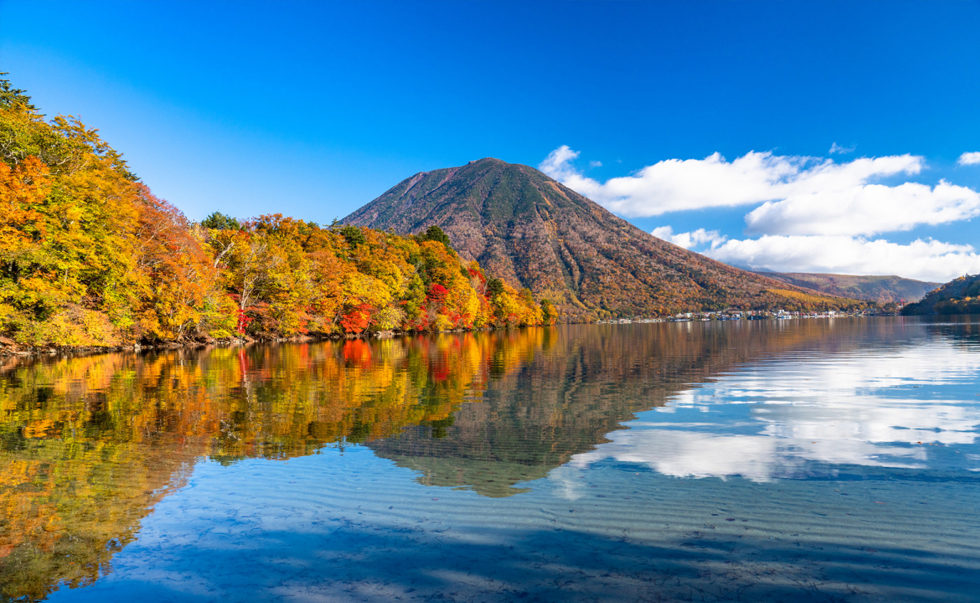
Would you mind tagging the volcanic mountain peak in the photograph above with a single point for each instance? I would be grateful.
(527, 228)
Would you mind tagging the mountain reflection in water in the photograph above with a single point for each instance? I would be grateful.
(89, 445)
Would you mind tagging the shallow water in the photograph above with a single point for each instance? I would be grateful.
(818, 460)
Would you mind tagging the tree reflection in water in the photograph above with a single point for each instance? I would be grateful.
(89, 445)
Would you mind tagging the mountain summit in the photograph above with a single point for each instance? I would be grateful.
(528, 228)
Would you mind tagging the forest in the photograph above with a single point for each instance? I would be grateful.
(959, 296)
(89, 256)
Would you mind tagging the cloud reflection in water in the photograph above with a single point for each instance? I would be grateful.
(775, 420)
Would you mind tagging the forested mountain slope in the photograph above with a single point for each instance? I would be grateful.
(532, 230)
(959, 296)
(881, 289)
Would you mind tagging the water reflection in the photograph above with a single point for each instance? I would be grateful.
(768, 400)
(881, 406)
(88, 446)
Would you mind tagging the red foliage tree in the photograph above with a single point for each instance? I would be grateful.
(357, 319)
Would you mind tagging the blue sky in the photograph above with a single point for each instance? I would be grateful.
(314, 108)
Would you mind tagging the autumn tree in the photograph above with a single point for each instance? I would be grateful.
(76, 280)
(182, 294)
(434, 233)
(219, 221)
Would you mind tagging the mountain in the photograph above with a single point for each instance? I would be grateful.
(959, 296)
(527, 228)
(881, 289)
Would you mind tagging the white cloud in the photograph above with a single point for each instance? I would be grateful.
(595, 164)
(558, 163)
(689, 239)
(836, 148)
(969, 158)
(801, 195)
(925, 260)
(675, 184)
(865, 210)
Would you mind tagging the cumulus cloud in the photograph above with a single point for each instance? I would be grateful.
(927, 260)
(836, 148)
(969, 158)
(595, 164)
(558, 163)
(865, 209)
(800, 195)
(675, 184)
(810, 214)
(689, 239)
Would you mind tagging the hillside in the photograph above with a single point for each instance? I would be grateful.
(530, 229)
(959, 296)
(881, 289)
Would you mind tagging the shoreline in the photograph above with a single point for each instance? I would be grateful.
(10, 349)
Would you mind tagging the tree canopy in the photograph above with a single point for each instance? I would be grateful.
(90, 257)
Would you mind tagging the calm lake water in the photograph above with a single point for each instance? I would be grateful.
(818, 460)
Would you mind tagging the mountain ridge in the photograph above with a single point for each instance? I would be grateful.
(882, 289)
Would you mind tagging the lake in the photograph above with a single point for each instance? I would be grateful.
(790, 460)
